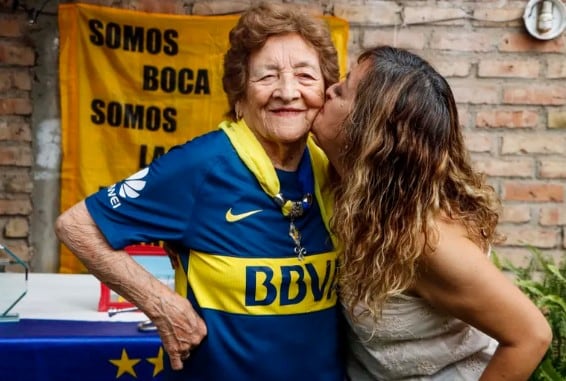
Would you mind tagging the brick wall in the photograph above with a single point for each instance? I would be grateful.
(511, 91)
(17, 59)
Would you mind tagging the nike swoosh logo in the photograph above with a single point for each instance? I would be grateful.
(237, 217)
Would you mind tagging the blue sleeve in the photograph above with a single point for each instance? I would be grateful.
(153, 204)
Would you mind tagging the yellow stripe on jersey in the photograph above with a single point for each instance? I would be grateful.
(180, 277)
(263, 286)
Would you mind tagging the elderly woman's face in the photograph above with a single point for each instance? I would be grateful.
(285, 90)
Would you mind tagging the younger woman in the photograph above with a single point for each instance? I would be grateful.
(416, 222)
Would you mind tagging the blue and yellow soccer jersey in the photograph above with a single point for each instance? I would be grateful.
(269, 315)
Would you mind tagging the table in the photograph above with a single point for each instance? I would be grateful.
(61, 336)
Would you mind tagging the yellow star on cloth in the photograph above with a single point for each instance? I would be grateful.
(157, 362)
(125, 364)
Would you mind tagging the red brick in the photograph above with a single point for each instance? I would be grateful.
(15, 131)
(497, 17)
(450, 67)
(556, 67)
(476, 92)
(518, 167)
(16, 155)
(15, 180)
(508, 69)
(19, 79)
(536, 192)
(503, 118)
(535, 94)
(379, 13)
(462, 41)
(529, 143)
(12, 25)
(15, 207)
(15, 106)
(401, 38)
(530, 235)
(552, 168)
(515, 213)
(522, 43)
(552, 215)
(479, 143)
(14, 54)
(434, 15)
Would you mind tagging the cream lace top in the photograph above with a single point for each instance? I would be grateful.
(413, 341)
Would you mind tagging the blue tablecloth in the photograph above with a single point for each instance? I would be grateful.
(60, 350)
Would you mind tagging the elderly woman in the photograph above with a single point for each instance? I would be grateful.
(243, 208)
(417, 222)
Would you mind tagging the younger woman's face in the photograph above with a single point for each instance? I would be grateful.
(327, 126)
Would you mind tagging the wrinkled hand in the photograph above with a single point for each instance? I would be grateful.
(181, 329)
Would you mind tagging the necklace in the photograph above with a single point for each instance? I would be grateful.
(295, 209)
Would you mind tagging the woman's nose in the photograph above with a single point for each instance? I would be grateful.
(288, 88)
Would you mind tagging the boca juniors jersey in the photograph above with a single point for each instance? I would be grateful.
(269, 315)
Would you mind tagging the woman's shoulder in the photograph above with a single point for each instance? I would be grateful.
(206, 145)
(200, 151)
(451, 235)
(445, 266)
(197, 158)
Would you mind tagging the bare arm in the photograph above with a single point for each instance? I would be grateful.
(460, 279)
(179, 326)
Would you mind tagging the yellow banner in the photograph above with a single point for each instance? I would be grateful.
(133, 85)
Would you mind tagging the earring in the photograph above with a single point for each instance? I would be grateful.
(238, 112)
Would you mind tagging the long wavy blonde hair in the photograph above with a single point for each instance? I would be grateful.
(405, 165)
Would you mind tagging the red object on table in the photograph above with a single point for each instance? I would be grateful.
(106, 301)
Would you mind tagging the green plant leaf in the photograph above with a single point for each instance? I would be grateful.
(554, 270)
(530, 286)
(544, 283)
(547, 371)
(553, 299)
(495, 260)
